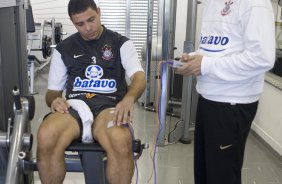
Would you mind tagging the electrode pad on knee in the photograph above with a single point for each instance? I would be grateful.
(110, 124)
(126, 125)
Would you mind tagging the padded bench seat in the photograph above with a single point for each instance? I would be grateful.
(92, 161)
(92, 157)
(79, 146)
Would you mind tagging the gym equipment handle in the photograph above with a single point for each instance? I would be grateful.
(17, 98)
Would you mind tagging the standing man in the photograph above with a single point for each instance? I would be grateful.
(90, 65)
(236, 48)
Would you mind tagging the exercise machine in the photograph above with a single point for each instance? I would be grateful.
(91, 158)
(46, 43)
(13, 65)
(161, 48)
(189, 94)
(17, 140)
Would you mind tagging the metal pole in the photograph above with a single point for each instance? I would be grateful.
(3, 139)
(128, 9)
(168, 22)
(149, 51)
(163, 104)
(187, 90)
(53, 31)
(20, 16)
(31, 75)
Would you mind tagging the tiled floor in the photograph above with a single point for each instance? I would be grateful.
(174, 162)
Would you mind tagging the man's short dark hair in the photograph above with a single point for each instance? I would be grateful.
(79, 6)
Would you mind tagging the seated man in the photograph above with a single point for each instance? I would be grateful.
(91, 66)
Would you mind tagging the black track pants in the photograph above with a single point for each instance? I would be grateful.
(220, 137)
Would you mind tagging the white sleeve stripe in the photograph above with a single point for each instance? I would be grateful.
(57, 73)
(129, 58)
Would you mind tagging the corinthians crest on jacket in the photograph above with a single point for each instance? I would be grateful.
(227, 8)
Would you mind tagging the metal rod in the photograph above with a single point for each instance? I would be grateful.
(163, 104)
(53, 31)
(162, 98)
(189, 46)
(168, 21)
(72, 165)
(3, 139)
(128, 8)
(149, 51)
(13, 169)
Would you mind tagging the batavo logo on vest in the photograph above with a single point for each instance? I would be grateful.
(216, 42)
(94, 83)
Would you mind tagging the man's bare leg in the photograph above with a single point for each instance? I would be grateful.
(117, 141)
(55, 133)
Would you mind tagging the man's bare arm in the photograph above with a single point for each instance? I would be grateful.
(56, 102)
(51, 95)
(124, 109)
(137, 86)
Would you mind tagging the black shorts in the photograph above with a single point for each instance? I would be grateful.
(96, 104)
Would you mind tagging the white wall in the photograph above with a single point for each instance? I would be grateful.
(268, 121)
(180, 26)
(46, 10)
(180, 29)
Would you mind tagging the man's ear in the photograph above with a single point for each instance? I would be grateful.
(98, 11)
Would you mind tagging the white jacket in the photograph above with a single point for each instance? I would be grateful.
(238, 45)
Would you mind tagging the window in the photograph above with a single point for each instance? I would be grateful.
(129, 18)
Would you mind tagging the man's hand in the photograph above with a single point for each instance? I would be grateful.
(59, 105)
(124, 111)
(191, 66)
